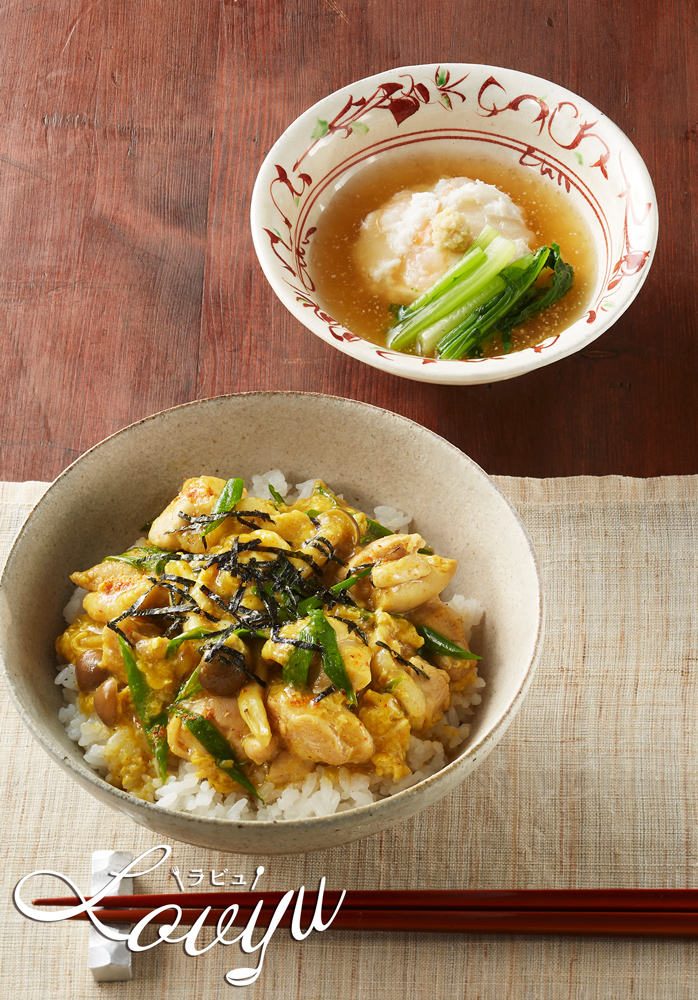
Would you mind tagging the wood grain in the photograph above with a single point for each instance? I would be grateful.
(131, 134)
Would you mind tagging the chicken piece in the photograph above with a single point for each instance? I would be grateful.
(434, 687)
(225, 715)
(449, 623)
(387, 672)
(197, 496)
(390, 730)
(286, 768)
(279, 652)
(113, 587)
(402, 577)
(423, 692)
(335, 536)
(389, 547)
(326, 732)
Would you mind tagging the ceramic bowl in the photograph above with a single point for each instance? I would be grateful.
(97, 505)
(521, 121)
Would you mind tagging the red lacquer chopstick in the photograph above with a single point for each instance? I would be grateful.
(587, 923)
(595, 900)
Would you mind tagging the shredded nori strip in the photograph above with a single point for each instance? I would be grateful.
(298, 643)
(200, 521)
(401, 659)
(322, 545)
(173, 578)
(183, 595)
(259, 515)
(353, 627)
(223, 605)
(323, 694)
(118, 631)
(172, 629)
(180, 609)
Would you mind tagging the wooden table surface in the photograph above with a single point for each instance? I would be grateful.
(131, 132)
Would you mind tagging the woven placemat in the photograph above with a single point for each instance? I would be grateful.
(594, 785)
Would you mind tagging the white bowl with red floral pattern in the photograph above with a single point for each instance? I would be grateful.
(522, 119)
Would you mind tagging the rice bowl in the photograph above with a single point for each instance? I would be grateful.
(92, 509)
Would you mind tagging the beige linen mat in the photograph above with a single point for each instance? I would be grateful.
(594, 785)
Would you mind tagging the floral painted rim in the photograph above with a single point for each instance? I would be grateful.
(403, 100)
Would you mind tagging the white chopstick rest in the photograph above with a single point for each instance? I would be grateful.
(110, 961)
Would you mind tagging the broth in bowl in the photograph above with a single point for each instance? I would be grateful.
(348, 282)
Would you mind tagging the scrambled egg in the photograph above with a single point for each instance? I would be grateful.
(257, 639)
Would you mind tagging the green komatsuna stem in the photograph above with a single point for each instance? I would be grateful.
(454, 274)
(518, 278)
(377, 530)
(144, 700)
(230, 495)
(497, 256)
(215, 743)
(275, 495)
(429, 338)
(438, 645)
(332, 662)
(158, 735)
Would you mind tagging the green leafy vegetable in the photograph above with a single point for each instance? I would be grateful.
(148, 709)
(296, 669)
(455, 295)
(189, 687)
(275, 495)
(516, 301)
(216, 744)
(146, 557)
(315, 602)
(482, 295)
(375, 530)
(438, 645)
(193, 633)
(231, 495)
(332, 661)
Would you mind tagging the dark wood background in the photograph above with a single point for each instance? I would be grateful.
(131, 132)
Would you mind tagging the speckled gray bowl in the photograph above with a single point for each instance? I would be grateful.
(370, 455)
